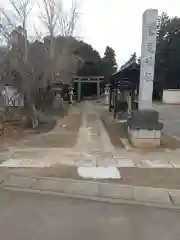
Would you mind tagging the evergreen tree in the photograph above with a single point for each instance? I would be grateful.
(109, 63)
(167, 72)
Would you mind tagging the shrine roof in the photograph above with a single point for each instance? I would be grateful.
(130, 72)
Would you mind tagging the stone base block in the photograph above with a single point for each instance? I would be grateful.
(57, 103)
(142, 138)
(106, 100)
(144, 129)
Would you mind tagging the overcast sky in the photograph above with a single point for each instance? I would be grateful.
(119, 23)
(116, 23)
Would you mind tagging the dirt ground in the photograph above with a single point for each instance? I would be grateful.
(53, 134)
(153, 177)
(12, 134)
(64, 135)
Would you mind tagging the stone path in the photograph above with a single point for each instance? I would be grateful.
(92, 147)
(93, 138)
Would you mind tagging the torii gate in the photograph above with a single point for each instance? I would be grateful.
(89, 79)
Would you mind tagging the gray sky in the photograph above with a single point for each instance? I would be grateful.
(115, 23)
(119, 23)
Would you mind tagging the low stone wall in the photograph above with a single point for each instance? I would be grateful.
(171, 96)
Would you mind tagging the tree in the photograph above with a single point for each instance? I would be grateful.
(92, 61)
(133, 57)
(36, 63)
(67, 61)
(21, 10)
(86, 52)
(17, 59)
(60, 23)
(15, 35)
(167, 73)
(162, 26)
(109, 63)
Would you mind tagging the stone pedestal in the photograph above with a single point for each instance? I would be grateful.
(118, 95)
(145, 138)
(144, 129)
(106, 99)
(57, 103)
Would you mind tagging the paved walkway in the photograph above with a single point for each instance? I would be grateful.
(36, 217)
(88, 145)
(170, 116)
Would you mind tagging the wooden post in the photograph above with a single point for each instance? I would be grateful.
(113, 96)
(79, 90)
(130, 102)
(115, 103)
(110, 99)
(98, 88)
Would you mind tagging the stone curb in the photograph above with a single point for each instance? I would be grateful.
(109, 192)
(126, 144)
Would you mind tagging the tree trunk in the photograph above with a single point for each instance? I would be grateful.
(30, 112)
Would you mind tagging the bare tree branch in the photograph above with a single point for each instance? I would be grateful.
(22, 10)
(72, 17)
(38, 34)
(57, 21)
(18, 11)
(9, 21)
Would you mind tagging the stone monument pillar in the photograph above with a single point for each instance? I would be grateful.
(144, 126)
(148, 50)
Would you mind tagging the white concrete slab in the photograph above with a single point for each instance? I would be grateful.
(99, 172)
(125, 163)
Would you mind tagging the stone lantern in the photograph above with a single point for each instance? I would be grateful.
(70, 93)
(57, 87)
